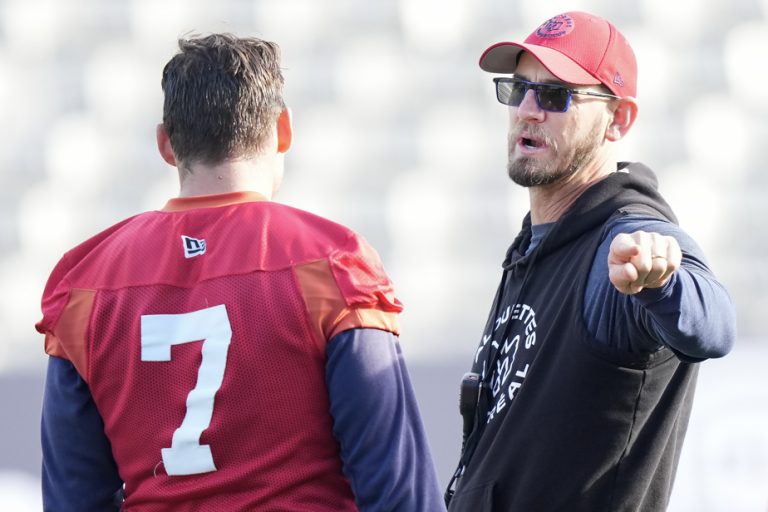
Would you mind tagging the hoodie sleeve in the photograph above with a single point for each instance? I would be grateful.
(692, 314)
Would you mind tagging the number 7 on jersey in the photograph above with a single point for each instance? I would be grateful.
(187, 456)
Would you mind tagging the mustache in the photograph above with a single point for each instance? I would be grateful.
(532, 131)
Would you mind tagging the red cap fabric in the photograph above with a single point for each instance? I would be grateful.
(576, 47)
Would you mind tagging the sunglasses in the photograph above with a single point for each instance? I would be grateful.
(549, 97)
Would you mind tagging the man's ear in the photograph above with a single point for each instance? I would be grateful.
(284, 131)
(164, 145)
(624, 115)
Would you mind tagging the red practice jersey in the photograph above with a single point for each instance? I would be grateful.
(201, 332)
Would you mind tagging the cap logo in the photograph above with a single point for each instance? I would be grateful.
(558, 26)
(618, 80)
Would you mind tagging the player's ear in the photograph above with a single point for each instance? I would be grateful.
(284, 131)
(624, 113)
(164, 145)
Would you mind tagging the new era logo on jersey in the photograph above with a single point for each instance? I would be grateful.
(193, 246)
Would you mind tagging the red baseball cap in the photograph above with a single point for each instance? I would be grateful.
(578, 48)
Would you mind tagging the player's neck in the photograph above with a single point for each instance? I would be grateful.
(550, 202)
(257, 175)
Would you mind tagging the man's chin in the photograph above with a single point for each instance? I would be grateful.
(526, 173)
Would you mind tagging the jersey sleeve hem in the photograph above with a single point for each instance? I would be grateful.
(68, 339)
(330, 312)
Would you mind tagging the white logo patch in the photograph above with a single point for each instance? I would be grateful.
(193, 246)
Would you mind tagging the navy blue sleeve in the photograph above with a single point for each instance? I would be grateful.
(384, 448)
(692, 314)
(79, 473)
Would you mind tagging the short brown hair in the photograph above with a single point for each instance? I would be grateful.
(222, 95)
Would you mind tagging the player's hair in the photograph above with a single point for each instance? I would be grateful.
(222, 95)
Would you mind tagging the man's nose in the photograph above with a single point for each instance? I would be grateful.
(529, 108)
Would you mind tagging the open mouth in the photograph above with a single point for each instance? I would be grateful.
(531, 143)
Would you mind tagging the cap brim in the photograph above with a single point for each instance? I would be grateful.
(502, 58)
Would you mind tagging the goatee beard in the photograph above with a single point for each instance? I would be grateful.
(528, 172)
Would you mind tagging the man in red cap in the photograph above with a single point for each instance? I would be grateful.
(582, 385)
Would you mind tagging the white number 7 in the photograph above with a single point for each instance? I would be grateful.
(187, 456)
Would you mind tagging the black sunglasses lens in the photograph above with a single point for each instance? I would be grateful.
(510, 93)
(549, 97)
(553, 99)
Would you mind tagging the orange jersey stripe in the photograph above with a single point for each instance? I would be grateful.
(327, 307)
(68, 340)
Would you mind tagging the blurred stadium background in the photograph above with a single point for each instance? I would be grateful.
(398, 135)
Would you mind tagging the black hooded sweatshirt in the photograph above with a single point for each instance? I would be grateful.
(568, 423)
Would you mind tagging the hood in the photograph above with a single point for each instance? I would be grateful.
(633, 184)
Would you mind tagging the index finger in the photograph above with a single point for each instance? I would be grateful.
(623, 248)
